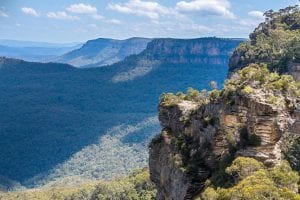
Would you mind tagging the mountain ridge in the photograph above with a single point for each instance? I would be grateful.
(103, 51)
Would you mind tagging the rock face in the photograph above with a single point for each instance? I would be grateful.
(197, 140)
(168, 51)
(197, 51)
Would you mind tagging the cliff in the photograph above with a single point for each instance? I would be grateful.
(198, 51)
(203, 133)
(167, 51)
(233, 143)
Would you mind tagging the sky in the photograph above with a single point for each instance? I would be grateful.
(64, 21)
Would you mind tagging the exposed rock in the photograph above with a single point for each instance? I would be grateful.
(197, 140)
(198, 51)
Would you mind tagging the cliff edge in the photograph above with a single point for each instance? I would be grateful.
(254, 119)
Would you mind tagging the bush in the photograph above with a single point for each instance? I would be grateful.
(248, 90)
(256, 79)
(255, 182)
(243, 167)
(285, 177)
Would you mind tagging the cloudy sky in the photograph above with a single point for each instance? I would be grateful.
(80, 20)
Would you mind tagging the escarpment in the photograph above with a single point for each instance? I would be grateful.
(202, 134)
(193, 51)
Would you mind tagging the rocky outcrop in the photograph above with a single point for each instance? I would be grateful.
(198, 139)
(253, 116)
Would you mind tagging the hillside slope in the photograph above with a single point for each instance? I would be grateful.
(101, 52)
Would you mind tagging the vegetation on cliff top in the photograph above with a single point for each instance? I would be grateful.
(255, 81)
(252, 181)
(275, 42)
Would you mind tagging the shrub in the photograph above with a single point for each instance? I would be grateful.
(285, 177)
(169, 99)
(255, 182)
(243, 167)
(248, 90)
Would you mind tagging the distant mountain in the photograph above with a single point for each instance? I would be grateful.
(20, 43)
(100, 52)
(38, 54)
(34, 51)
(55, 118)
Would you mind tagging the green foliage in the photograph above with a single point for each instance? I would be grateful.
(254, 80)
(274, 42)
(137, 186)
(170, 99)
(243, 167)
(214, 95)
(257, 80)
(254, 181)
(284, 177)
(291, 150)
(248, 90)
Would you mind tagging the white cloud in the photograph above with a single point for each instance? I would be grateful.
(61, 16)
(256, 14)
(30, 11)
(85, 9)
(3, 14)
(97, 16)
(150, 9)
(205, 7)
(93, 26)
(113, 21)
(82, 9)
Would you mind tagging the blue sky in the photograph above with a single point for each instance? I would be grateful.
(65, 21)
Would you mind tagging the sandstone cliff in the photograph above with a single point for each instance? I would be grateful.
(256, 116)
(193, 51)
(199, 137)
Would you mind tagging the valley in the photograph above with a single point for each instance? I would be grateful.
(52, 111)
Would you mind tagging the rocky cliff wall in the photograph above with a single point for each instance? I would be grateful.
(199, 139)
